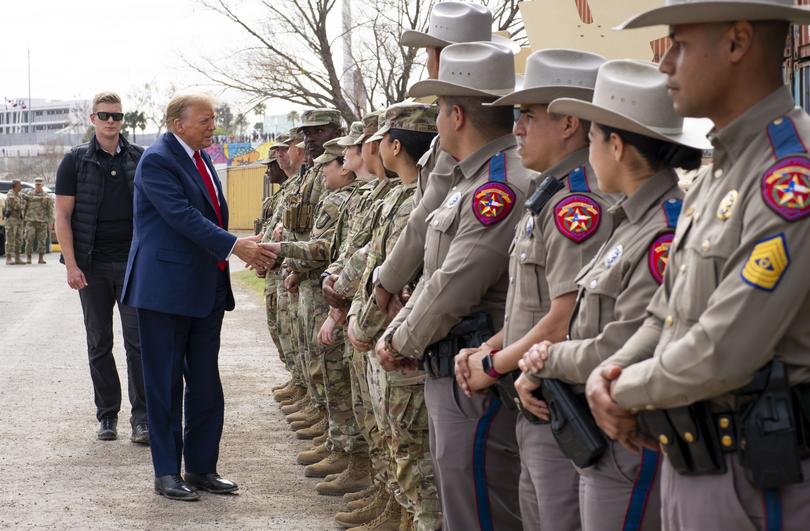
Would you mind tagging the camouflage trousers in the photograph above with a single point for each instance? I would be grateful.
(277, 306)
(378, 389)
(36, 230)
(292, 326)
(364, 414)
(344, 433)
(413, 465)
(15, 236)
(312, 361)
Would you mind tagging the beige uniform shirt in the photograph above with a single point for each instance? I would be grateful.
(616, 287)
(465, 258)
(735, 294)
(405, 260)
(550, 247)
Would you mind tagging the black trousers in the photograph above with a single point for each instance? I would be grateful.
(99, 297)
(178, 349)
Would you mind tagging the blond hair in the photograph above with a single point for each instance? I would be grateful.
(179, 103)
(105, 97)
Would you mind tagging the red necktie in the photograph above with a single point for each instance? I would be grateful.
(212, 193)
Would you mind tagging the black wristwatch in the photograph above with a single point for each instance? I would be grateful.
(324, 276)
(488, 364)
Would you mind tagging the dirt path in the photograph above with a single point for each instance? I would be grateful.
(55, 474)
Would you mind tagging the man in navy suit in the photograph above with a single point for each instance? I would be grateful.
(177, 277)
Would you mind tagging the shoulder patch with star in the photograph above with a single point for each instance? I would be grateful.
(767, 263)
(492, 202)
(786, 187)
(658, 255)
(577, 217)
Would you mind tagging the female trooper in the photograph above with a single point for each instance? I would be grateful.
(636, 142)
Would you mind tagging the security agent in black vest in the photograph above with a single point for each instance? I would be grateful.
(94, 186)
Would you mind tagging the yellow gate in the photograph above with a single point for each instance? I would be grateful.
(245, 194)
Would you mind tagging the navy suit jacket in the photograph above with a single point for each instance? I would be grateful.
(177, 241)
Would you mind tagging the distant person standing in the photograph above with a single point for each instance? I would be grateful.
(94, 186)
(13, 213)
(38, 220)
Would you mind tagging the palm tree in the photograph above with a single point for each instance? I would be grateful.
(293, 116)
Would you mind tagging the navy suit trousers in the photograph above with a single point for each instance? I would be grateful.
(175, 348)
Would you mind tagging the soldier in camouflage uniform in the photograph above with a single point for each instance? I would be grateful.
(406, 134)
(347, 448)
(38, 220)
(14, 211)
(318, 126)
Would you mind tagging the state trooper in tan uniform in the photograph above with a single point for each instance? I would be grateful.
(463, 288)
(620, 489)
(564, 223)
(450, 23)
(720, 369)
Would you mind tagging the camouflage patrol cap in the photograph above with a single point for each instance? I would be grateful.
(331, 151)
(355, 132)
(281, 141)
(407, 116)
(316, 117)
(295, 135)
(371, 122)
(39, 180)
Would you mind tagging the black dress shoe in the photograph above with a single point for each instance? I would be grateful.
(211, 483)
(107, 430)
(174, 488)
(140, 434)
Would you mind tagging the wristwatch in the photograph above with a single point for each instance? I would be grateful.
(324, 276)
(488, 363)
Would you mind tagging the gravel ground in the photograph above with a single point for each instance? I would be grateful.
(54, 473)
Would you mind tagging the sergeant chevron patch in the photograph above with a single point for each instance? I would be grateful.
(767, 263)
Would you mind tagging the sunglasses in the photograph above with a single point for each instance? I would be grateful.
(104, 116)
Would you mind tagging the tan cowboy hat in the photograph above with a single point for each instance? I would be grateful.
(701, 12)
(455, 22)
(555, 73)
(479, 69)
(632, 96)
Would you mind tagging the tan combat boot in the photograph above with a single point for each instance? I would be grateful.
(320, 439)
(315, 416)
(365, 494)
(285, 385)
(294, 393)
(313, 431)
(367, 513)
(313, 455)
(18, 260)
(41, 259)
(303, 413)
(387, 521)
(296, 406)
(359, 503)
(9, 260)
(334, 463)
(356, 476)
(28, 259)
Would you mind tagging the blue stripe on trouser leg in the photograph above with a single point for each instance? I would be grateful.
(773, 509)
(479, 465)
(641, 490)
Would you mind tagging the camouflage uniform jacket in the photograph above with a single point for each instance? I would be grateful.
(393, 217)
(15, 203)
(38, 207)
(359, 235)
(300, 204)
(274, 209)
(312, 256)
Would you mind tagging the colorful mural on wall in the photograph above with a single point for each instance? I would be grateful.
(237, 154)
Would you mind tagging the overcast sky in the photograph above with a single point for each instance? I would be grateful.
(81, 47)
